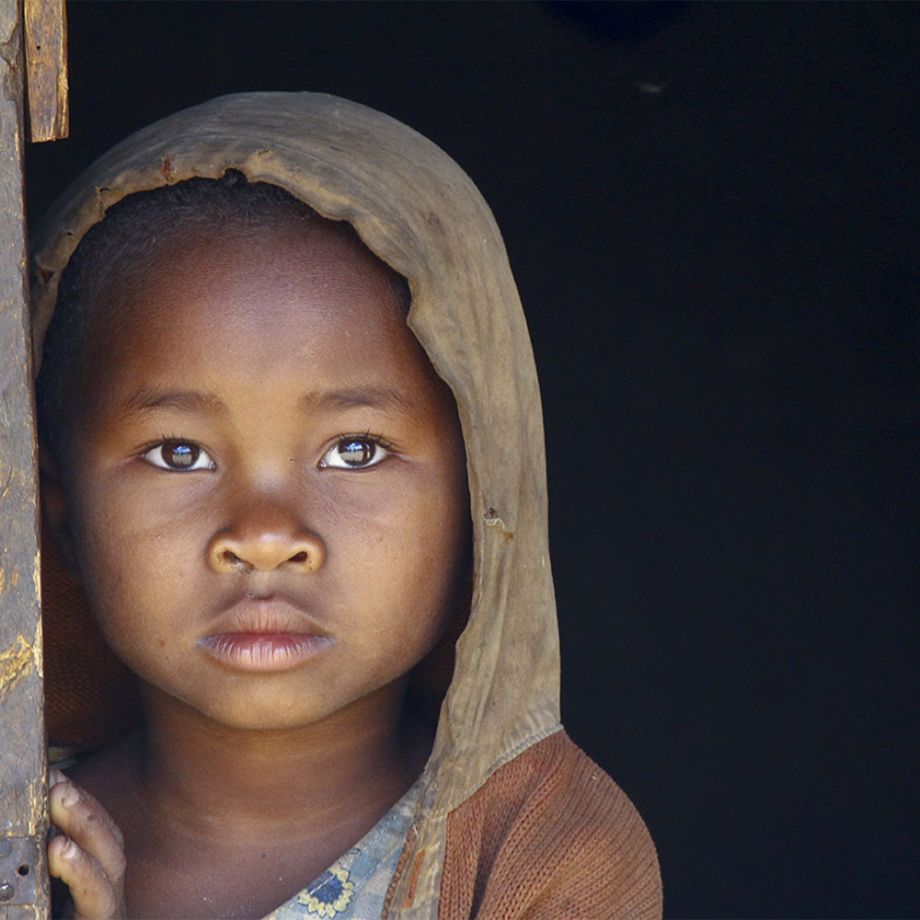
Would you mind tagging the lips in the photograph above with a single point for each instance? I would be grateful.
(264, 635)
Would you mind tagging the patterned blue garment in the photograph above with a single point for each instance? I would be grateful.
(355, 885)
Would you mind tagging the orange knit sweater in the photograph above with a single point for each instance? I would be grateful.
(551, 836)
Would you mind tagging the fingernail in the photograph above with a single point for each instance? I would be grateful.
(69, 850)
(55, 776)
(69, 796)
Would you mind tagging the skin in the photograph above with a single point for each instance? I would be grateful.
(245, 784)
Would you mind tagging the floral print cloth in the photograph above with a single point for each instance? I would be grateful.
(354, 887)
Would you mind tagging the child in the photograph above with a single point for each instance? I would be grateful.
(292, 448)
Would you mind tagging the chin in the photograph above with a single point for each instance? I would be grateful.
(262, 712)
(251, 719)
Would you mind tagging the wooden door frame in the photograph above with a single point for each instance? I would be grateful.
(32, 48)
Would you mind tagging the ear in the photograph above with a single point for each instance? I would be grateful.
(56, 510)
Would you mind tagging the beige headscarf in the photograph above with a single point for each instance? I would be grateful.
(419, 212)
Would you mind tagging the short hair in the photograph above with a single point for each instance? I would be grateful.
(117, 251)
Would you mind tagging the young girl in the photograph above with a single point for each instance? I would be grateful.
(293, 450)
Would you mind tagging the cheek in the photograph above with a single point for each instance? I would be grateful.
(127, 556)
(414, 559)
(391, 553)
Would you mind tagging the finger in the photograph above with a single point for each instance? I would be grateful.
(99, 809)
(58, 777)
(55, 776)
(93, 894)
(90, 827)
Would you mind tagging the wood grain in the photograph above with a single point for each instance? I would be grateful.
(46, 69)
(22, 743)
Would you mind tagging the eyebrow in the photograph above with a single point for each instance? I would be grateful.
(150, 399)
(358, 397)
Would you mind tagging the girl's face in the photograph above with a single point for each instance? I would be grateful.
(266, 501)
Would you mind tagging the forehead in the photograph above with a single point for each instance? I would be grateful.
(191, 259)
(273, 308)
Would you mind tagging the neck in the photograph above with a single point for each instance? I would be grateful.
(197, 775)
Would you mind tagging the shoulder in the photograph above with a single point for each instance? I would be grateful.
(552, 835)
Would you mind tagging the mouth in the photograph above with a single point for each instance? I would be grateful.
(264, 635)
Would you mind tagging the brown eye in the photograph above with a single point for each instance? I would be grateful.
(355, 453)
(179, 456)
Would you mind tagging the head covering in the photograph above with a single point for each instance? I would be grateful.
(418, 212)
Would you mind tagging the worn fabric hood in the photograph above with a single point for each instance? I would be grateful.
(419, 212)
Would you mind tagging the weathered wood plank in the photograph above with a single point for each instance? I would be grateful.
(23, 819)
(46, 69)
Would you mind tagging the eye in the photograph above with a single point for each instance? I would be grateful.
(355, 452)
(179, 456)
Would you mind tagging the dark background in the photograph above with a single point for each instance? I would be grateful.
(710, 211)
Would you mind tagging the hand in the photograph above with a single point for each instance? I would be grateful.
(89, 853)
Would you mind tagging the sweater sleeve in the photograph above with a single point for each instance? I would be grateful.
(550, 835)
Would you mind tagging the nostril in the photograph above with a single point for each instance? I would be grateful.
(263, 552)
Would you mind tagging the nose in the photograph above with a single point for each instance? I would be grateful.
(265, 538)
